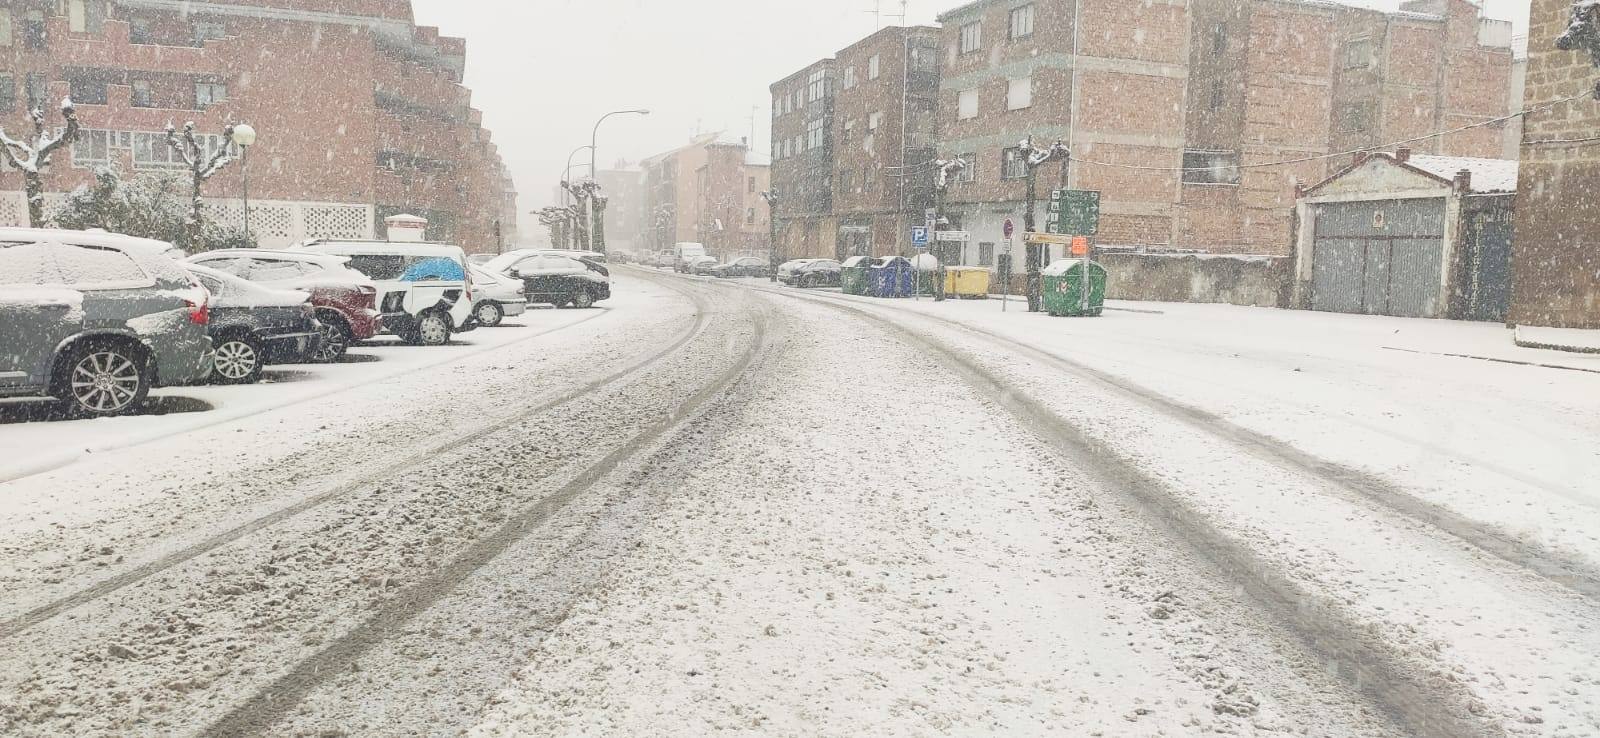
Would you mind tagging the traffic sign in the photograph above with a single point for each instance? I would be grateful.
(1010, 228)
(919, 236)
(1074, 212)
(954, 236)
(1080, 246)
(1054, 239)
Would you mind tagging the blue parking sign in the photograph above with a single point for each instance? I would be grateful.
(919, 236)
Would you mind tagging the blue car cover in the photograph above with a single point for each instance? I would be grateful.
(435, 270)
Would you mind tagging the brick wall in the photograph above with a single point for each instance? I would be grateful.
(1555, 271)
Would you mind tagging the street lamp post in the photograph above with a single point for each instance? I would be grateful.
(244, 136)
(594, 171)
(771, 196)
(567, 173)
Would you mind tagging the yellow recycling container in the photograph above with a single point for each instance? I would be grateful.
(967, 283)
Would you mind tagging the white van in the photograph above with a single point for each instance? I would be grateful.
(424, 289)
(684, 256)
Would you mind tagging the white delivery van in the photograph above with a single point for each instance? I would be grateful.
(684, 255)
(424, 289)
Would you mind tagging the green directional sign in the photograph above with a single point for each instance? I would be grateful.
(1074, 213)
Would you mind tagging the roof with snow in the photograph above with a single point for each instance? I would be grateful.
(1488, 175)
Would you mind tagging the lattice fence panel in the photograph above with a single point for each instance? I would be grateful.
(13, 209)
(337, 221)
(273, 225)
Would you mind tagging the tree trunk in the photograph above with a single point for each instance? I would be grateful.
(34, 188)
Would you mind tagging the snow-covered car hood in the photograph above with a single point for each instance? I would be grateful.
(241, 293)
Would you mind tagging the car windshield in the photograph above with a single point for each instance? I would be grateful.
(800, 368)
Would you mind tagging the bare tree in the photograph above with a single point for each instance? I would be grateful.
(33, 158)
(201, 168)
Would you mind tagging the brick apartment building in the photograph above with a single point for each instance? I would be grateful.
(853, 145)
(1555, 270)
(1143, 91)
(709, 192)
(623, 185)
(361, 113)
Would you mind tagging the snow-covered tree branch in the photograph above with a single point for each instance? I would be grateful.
(203, 165)
(32, 158)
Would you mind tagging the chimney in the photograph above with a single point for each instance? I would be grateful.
(1402, 154)
(405, 228)
(1464, 181)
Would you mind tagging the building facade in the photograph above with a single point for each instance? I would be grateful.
(803, 161)
(709, 192)
(394, 131)
(1555, 270)
(1172, 110)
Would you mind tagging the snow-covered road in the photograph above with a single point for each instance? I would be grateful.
(723, 506)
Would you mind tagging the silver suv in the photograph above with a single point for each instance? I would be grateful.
(97, 319)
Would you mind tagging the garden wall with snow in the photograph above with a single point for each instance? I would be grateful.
(1260, 281)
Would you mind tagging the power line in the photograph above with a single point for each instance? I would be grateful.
(1352, 152)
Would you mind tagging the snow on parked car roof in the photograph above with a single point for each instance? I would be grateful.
(310, 257)
(243, 293)
(89, 238)
(400, 248)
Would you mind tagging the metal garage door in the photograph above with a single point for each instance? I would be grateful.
(1380, 257)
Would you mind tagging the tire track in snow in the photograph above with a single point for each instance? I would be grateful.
(1425, 705)
(1353, 484)
(271, 704)
(43, 613)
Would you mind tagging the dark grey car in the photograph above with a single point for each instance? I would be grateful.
(253, 326)
(96, 319)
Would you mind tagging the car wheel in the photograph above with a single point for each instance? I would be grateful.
(103, 380)
(809, 281)
(433, 329)
(583, 300)
(240, 359)
(335, 341)
(489, 314)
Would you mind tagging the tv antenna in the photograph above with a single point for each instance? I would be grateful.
(878, 15)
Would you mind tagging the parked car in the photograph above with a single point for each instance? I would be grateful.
(594, 256)
(563, 281)
(480, 259)
(744, 266)
(345, 299)
(810, 273)
(96, 319)
(685, 254)
(700, 265)
(499, 296)
(253, 326)
(424, 289)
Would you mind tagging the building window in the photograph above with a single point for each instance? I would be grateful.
(1021, 22)
(867, 174)
(208, 31)
(752, 185)
(872, 67)
(1219, 39)
(207, 94)
(971, 37)
(87, 90)
(874, 121)
(1211, 167)
(5, 26)
(814, 135)
(34, 35)
(139, 30)
(849, 78)
(817, 86)
(142, 97)
(847, 133)
(969, 173)
(1356, 117)
(750, 216)
(1019, 94)
(8, 93)
(1358, 54)
(1219, 94)
(846, 178)
(1012, 164)
(986, 253)
(967, 104)
(924, 60)
(93, 148)
(38, 89)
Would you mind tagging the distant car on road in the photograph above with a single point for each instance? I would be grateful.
(346, 300)
(810, 273)
(96, 319)
(253, 326)
(700, 265)
(684, 256)
(746, 266)
(499, 296)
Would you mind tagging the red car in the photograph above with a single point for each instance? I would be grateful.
(345, 300)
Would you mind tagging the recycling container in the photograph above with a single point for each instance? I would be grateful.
(1063, 280)
(967, 283)
(891, 276)
(853, 275)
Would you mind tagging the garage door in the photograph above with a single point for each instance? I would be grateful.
(1379, 258)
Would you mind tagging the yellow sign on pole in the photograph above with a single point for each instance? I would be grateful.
(1053, 239)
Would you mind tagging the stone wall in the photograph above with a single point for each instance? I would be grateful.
(1260, 281)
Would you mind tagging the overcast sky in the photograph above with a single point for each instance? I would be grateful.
(542, 71)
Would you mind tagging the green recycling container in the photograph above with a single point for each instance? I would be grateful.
(1063, 280)
(853, 276)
